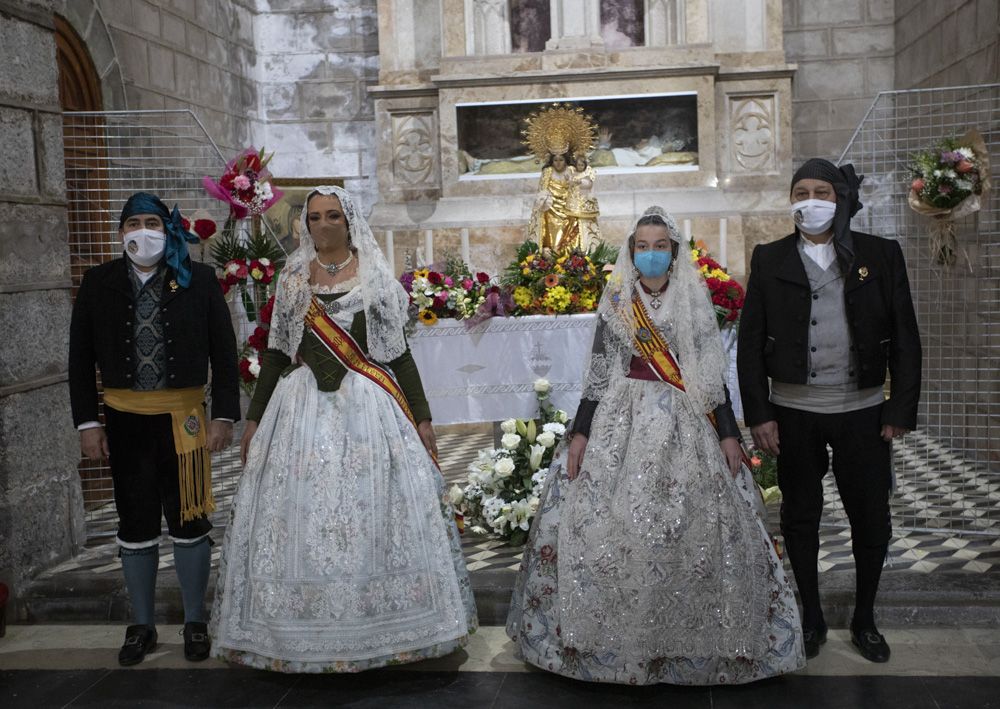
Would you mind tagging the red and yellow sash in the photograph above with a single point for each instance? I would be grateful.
(655, 350)
(344, 347)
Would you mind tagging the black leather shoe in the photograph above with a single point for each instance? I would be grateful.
(812, 638)
(196, 642)
(139, 640)
(871, 644)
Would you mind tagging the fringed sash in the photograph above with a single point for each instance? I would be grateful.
(187, 417)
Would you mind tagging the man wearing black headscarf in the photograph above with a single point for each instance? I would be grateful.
(827, 310)
(152, 322)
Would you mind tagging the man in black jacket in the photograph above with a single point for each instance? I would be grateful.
(827, 310)
(152, 321)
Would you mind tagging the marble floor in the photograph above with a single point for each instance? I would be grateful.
(924, 551)
(74, 665)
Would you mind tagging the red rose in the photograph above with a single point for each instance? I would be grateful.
(224, 282)
(482, 277)
(245, 370)
(965, 166)
(917, 185)
(186, 223)
(435, 278)
(440, 300)
(265, 313)
(258, 340)
(204, 228)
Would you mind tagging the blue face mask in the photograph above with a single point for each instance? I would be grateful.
(653, 264)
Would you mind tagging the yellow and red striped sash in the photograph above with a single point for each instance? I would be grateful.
(346, 349)
(653, 348)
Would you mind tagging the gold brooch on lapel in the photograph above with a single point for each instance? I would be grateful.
(862, 273)
(173, 285)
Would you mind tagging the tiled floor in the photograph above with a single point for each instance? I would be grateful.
(916, 551)
(53, 666)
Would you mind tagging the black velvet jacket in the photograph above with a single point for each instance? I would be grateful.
(196, 325)
(774, 326)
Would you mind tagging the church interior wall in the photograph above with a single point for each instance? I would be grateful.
(41, 510)
(845, 53)
(316, 61)
(953, 43)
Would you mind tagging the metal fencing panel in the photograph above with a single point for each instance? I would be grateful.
(948, 472)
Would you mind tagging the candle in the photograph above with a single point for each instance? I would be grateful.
(723, 229)
(465, 247)
(429, 246)
(687, 230)
(390, 250)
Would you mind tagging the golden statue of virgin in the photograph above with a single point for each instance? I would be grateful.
(563, 216)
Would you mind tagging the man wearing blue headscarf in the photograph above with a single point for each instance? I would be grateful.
(827, 311)
(152, 322)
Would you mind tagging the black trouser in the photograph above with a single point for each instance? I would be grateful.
(861, 466)
(144, 471)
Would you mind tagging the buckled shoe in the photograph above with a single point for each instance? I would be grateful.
(139, 640)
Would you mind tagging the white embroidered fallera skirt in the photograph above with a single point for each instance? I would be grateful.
(340, 555)
(652, 566)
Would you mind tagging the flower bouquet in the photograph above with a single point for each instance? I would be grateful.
(545, 283)
(245, 185)
(949, 182)
(249, 264)
(502, 493)
(727, 294)
(452, 292)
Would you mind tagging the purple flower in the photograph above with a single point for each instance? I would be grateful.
(407, 280)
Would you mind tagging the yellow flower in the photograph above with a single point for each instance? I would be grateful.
(559, 269)
(556, 299)
(522, 296)
(695, 255)
(421, 273)
(526, 271)
(586, 277)
(427, 317)
(529, 258)
(588, 300)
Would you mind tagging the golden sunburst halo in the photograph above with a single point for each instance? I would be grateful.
(559, 129)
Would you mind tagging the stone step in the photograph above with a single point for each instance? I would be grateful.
(906, 599)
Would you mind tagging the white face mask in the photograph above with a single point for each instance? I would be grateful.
(145, 247)
(813, 216)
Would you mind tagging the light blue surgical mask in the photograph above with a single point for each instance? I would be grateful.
(653, 264)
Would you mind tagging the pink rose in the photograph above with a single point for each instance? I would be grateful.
(918, 185)
(241, 182)
(965, 166)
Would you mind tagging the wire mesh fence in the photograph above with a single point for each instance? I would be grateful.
(109, 156)
(947, 473)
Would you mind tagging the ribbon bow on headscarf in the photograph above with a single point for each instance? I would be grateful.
(846, 184)
(178, 237)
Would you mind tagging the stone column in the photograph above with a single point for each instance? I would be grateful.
(576, 24)
(41, 506)
(488, 26)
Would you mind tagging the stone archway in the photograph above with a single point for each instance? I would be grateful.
(84, 17)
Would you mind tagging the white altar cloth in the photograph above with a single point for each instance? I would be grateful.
(487, 373)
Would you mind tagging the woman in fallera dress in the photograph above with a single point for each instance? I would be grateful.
(341, 555)
(646, 562)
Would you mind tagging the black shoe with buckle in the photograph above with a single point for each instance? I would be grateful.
(812, 638)
(196, 642)
(871, 644)
(139, 640)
